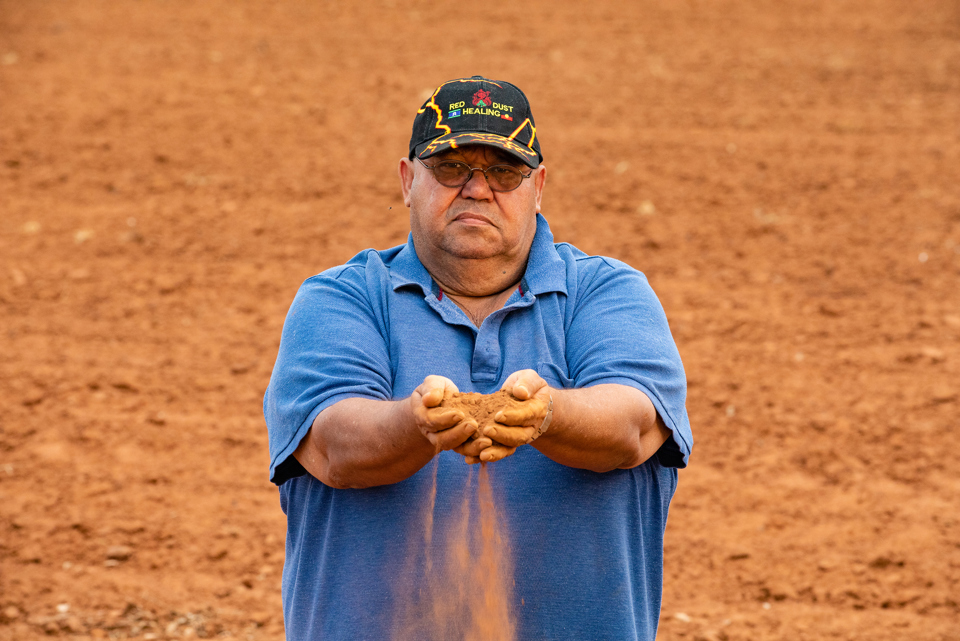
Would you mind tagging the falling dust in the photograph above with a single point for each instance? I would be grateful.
(467, 594)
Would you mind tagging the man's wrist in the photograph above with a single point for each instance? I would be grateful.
(546, 421)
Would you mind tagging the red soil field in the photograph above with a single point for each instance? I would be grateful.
(785, 173)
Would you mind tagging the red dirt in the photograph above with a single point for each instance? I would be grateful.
(784, 173)
(480, 407)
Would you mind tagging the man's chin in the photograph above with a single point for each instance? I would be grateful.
(473, 250)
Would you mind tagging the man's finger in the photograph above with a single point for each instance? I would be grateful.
(439, 419)
(523, 415)
(453, 437)
(496, 453)
(434, 388)
(508, 384)
(432, 397)
(509, 436)
(472, 448)
(524, 384)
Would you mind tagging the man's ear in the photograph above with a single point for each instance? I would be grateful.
(406, 179)
(539, 180)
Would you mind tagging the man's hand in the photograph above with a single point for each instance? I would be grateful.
(515, 426)
(446, 429)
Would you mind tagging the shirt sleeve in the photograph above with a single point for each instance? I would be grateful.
(618, 333)
(332, 348)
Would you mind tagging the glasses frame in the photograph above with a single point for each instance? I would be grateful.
(469, 175)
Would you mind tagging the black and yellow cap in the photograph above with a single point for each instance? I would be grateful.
(476, 111)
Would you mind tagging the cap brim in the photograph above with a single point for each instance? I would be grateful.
(524, 154)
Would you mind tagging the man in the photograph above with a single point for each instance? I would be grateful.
(479, 299)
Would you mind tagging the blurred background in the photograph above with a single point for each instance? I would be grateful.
(785, 173)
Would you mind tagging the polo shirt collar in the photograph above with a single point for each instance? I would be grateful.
(406, 269)
(546, 271)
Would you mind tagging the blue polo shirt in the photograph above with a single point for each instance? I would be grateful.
(587, 547)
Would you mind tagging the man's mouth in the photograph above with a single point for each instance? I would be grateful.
(470, 218)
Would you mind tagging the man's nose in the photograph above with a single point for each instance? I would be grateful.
(477, 187)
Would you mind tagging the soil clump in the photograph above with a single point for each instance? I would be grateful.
(481, 407)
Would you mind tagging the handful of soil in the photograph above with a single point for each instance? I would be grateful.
(481, 407)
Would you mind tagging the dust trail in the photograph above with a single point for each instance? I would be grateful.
(409, 597)
(491, 573)
(466, 593)
(450, 587)
(428, 517)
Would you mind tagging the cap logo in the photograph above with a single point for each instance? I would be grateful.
(481, 99)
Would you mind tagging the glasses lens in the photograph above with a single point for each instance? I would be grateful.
(504, 177)
(451, 174)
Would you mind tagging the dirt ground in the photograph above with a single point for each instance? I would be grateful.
(785, 173)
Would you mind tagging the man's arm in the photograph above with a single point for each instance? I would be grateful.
(602, 428)
(362, 442)
(599, 428)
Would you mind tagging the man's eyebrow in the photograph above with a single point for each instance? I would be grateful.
(498, 159)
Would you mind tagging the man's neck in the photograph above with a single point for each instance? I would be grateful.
(476, 278)
(478, 287)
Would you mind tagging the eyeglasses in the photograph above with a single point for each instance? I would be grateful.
(453, 173)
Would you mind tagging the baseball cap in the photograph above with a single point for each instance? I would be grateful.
(476, 111)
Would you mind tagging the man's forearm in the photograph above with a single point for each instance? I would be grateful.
(360, 442)
(602, 428)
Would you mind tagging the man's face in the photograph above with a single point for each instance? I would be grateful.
(472, 221)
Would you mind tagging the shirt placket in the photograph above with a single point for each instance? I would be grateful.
(487, 352)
